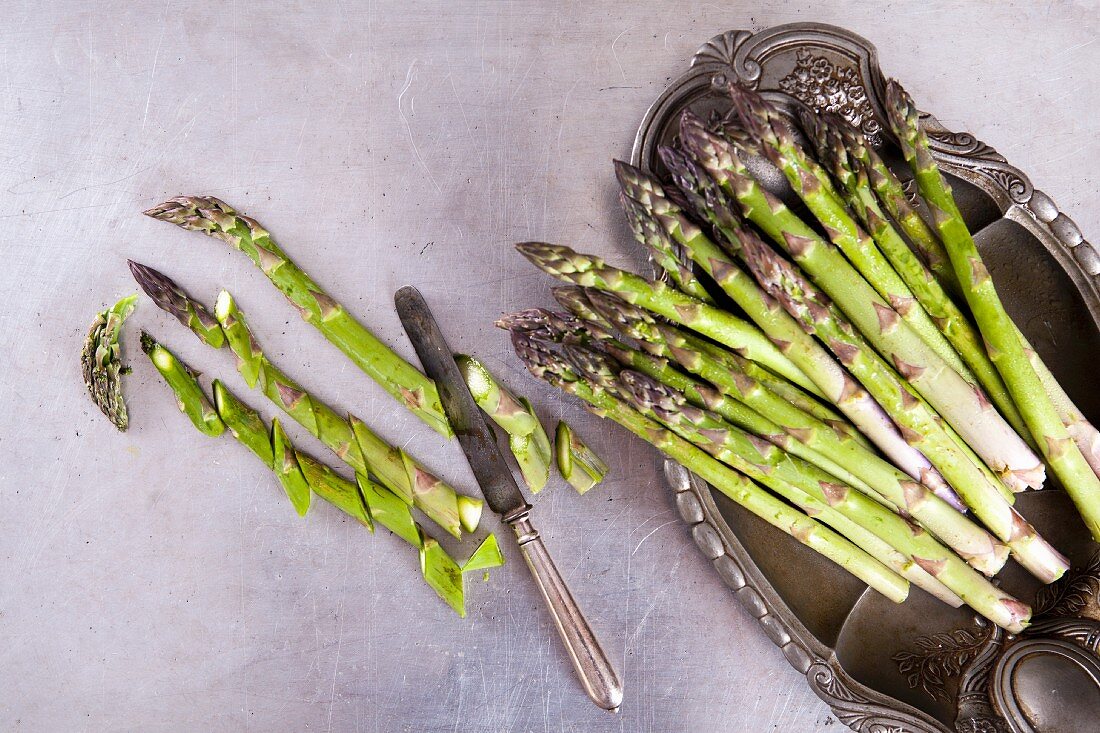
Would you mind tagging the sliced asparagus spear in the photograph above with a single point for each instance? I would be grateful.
(533, 453)
(495, 399)
(486, 557)
(101, 362)
(402, 380)
(578, 464)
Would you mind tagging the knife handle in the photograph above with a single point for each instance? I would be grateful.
(594, 669)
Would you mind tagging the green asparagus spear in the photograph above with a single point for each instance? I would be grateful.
(533, 453)
(1005, 347)
(662, 249)
(578, 464)
(590, 271)
(401, 379)
(299, 472)
(101, 362)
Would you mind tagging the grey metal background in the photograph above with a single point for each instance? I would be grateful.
(155, 580)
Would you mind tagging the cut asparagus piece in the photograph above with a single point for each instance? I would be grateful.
(486, 557)
(349, 438)
(956, 400)
(919, 422)
(101, 362)
(533, 453)
(296, 470)
(494, 399)
(402, 380)
(840, 146)
(1005, 346)
(591, 271)
(190, 398)
(284, 462)
(579, 465)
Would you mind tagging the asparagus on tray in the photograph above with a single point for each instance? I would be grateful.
(402, 380)
(1005, 346)
(348, 437)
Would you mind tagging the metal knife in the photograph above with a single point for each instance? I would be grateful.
(503, 496)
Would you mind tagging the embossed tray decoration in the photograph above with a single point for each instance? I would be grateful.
(921, 666)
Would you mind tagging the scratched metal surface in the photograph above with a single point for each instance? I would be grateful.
(155, 581)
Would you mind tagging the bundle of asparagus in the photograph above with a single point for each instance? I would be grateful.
(855, 401)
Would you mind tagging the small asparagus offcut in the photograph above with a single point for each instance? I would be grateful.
(398, 377)
(349, 438)
(494, 399)
(928, 245)
(516, 416)
(300, 473)
(917, 420)
(578, 464)
(1005, 346)
(731, 483)
(101, 362)
(486, 557)
(841, 147)
(967, 409)
(590, 271)
(533, 453)
(713, 203)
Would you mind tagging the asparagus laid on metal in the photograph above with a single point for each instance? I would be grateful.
(731, 483)
(892, 197)
(715, 205)
(402, 380)
(953, 397)
(917, 420)
(101, 362)
(662, 249)
(349, 438)
(591, 271)
(578, 464)
(840, 147)
(526, 437)
(1005, 346)
(299, 472)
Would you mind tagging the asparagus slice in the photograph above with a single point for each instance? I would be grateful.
(956, 400)
(731, 483)
(579, 464)
(892, 196)
(885, 534)
(558, 328)
(713, 203)
(101, 362)
(1005, 347)
(516, 415)
(839, 145)
(485, 557)
(349, 438)
(919, 422)
(402, 380)
(298, 470)
(496, 400)
(591, 271)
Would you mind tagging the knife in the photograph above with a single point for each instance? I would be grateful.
(503, 496)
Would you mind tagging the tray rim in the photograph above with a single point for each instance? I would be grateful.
(962, 154)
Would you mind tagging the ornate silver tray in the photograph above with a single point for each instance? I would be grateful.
(920, 666)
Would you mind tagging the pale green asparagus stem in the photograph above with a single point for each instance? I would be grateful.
(578, 464)
(402, 380)
(1005, 347)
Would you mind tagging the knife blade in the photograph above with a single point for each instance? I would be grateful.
(503, 496)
